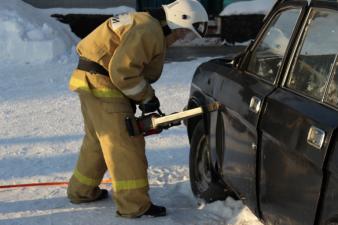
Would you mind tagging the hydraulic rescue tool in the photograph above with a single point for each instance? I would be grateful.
(154, 123)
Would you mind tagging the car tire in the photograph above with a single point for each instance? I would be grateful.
(332, 223)
(203, 180)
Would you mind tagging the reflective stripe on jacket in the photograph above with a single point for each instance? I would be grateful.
(131, 47)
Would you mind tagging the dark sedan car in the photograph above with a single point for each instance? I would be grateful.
(273, 143)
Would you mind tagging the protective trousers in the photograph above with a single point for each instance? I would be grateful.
(107, 145)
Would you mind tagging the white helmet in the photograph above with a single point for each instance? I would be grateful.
(189, 14)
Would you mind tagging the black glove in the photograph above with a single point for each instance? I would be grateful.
(150, 106)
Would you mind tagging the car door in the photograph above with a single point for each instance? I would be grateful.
(298, 123)
(242, 93)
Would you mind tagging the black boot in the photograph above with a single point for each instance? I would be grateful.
(103, 195)
(155, 211)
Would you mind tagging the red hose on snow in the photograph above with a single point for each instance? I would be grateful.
(106, 181)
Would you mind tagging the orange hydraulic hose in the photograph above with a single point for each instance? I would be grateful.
(105, 181)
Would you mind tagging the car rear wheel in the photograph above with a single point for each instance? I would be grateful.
(203, 180)
(332, 223)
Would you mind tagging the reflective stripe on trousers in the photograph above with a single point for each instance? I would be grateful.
(86, 180)
(117, 185)
(129, 184)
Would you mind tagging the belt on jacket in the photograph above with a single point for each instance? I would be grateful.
(92, 67)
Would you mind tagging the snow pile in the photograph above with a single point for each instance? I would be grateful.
(29, 36)
(248, 7)
(107, 11)
(191, 39)
(234, 212)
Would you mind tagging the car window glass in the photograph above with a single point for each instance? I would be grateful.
(332, 93)
(267, 57)
(315, 62)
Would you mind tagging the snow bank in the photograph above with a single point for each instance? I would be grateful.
(107, 11)
(29, 36)
(192, 40)
(232, 211)
(248, 7)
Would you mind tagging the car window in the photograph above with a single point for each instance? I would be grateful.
(316, 61)
(267, 57)
(332, 93)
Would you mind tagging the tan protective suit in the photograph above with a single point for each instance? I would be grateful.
(131, 47)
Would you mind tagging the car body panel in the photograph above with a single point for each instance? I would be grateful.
(238, 164)
(271, 156)
(287, 158)
(328, 207)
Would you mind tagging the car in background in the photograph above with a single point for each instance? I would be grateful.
(273, 143)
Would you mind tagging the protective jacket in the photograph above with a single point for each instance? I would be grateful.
(131, 47)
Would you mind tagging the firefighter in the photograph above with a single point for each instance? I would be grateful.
(118, 62)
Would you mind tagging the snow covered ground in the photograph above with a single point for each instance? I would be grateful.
(41, 132)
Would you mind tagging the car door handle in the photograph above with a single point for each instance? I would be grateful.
(255, 104)
(316, 137)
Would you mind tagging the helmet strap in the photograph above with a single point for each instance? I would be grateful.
(159, 14)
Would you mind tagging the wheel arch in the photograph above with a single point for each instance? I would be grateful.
(195, 101)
